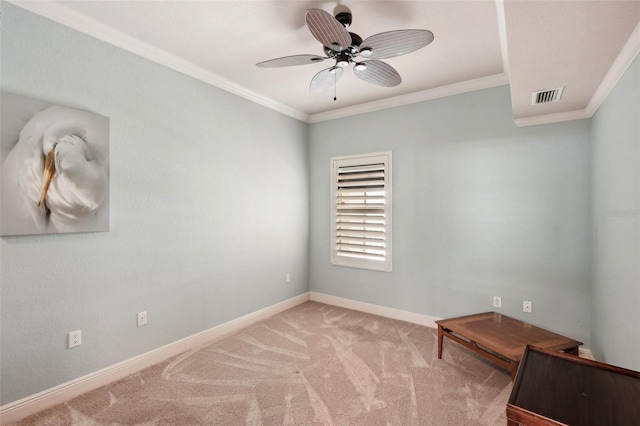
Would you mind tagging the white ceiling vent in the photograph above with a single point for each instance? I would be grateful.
(544, 96)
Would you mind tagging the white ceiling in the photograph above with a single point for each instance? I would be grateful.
(533, 45)
(564, 43)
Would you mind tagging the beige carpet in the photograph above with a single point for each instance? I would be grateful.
(314, 364)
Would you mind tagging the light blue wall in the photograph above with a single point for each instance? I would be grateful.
(215, 198)
(615, 324)
(209, 211)
(480, 208)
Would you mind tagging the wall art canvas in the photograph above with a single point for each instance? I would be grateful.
(55, 168)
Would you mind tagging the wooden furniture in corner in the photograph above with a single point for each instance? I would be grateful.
(556, 389)
(500, 338)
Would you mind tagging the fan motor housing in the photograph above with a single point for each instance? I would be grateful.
(353, 48)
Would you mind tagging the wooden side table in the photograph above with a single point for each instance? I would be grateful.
(500, 338)
(552, 388)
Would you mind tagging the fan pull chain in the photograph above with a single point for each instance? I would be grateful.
(335, 85)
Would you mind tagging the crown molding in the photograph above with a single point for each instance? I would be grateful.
(411, 98)
(79, 22)
(502, 31)
(624, 60)
(552, 118)
(84, 24)
(87, 25)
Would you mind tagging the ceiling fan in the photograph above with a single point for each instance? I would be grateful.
(344, 47)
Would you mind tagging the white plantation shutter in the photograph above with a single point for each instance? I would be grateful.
(361, 211)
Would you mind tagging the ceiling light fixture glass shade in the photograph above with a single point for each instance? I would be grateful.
(367, 51)
(342, 63)
(360, 66)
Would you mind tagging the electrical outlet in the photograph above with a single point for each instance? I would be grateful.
(497, 302)
(75, 339)
(287, 278)
(526, 306)
(142, 318)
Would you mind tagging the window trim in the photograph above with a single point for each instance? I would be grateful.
(336, 163)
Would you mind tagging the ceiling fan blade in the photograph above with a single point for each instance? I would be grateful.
(327, 30)
(289, 61)
(378, 73)
(395, 43)
(325, 78)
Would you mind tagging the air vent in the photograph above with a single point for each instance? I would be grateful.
(544, 96)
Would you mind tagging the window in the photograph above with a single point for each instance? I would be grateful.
(361, 211)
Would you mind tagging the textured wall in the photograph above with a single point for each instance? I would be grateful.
(480, 208)
(211, 196)
(209, 210)
(616, 224)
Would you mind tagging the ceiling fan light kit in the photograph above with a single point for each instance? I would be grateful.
(366, 52)
(344, 46)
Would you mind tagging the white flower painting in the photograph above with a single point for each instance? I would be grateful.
(55, 168)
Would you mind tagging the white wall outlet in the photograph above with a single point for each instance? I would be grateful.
(497, 302)
(142, 318)
(526, 306)
(287, 278)
(75, 339)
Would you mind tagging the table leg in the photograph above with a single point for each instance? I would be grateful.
(439, 342)
(573, 351)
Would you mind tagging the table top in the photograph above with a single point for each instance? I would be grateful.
(576, 391)
(505, 335)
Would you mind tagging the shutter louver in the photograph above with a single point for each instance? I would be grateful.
(360, 219)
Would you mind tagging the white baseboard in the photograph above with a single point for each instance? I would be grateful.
(369, 308)
(586, 353)
(393, 313)
(32, 404)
